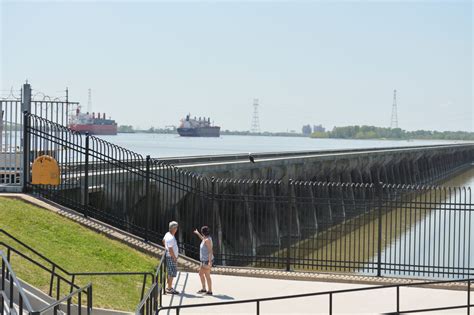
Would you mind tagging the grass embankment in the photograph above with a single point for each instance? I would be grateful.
(76, 249)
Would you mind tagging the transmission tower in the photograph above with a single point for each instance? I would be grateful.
(255, 127)
(394, 120)
(89, 101)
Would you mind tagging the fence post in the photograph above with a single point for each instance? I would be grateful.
(468, 297)
(86, 177)
(379, 196)
(290, 223)
(147, 197)
(26, 109)
(26, 151)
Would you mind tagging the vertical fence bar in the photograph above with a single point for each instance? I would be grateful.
(147, 197)
(86, 176)
(379, 193)
(26, 151)
(288, 245)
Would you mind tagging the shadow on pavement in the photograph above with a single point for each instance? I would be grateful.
(223, 297)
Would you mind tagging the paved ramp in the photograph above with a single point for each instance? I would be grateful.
(229, 288)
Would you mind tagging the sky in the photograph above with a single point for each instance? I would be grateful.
(308, 62)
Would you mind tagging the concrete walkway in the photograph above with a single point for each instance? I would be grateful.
(231, 288)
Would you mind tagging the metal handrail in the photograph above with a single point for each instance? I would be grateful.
(2, 231)
(331, 293)
(146, 297)
(87, 289)
(13, 280)
(55, 267)
(153, 299)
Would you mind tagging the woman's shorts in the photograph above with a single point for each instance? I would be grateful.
(171, 267)
(206, 263)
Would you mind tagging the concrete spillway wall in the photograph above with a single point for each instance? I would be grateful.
(397, 166)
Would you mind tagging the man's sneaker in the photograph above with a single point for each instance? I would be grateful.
(171, 291)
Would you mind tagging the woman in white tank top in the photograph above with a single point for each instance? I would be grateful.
(206, 257)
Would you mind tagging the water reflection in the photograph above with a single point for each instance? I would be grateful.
(442, 238)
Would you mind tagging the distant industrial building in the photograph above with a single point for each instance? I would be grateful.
(318, 128)
(306, 130)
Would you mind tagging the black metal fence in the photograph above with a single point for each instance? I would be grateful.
(374, 229)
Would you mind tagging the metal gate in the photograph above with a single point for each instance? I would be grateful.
(12, 106)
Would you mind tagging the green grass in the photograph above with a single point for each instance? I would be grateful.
(76, 249)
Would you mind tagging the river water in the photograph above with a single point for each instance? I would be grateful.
(168, 145)
(441, 233)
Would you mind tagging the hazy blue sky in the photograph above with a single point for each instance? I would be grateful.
(150, 63)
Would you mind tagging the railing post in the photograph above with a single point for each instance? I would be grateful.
(258, 307)
(147, 197)
(86, 177)
(468, 297)
(290, 222)
(26, 150)
(11, 295)
(53, 272)
(330, 303)
(379, 194)
(89, 300)
(8, 259)
(3, 276)
(72, 283)
(2, 304)
(398, 299)
(58, 287)
(143, 287)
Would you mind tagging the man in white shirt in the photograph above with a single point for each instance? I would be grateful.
(171, 247)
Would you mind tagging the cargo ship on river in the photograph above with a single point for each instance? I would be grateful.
(92, 123)
(192, 127)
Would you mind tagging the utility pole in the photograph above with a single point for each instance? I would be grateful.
(89, 101)
(255, 127)
(394, 120)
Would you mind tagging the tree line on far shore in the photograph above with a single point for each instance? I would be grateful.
(372, 132)
(348, 132)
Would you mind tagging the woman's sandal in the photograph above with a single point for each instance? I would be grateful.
(209, 293)
(202, 291)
